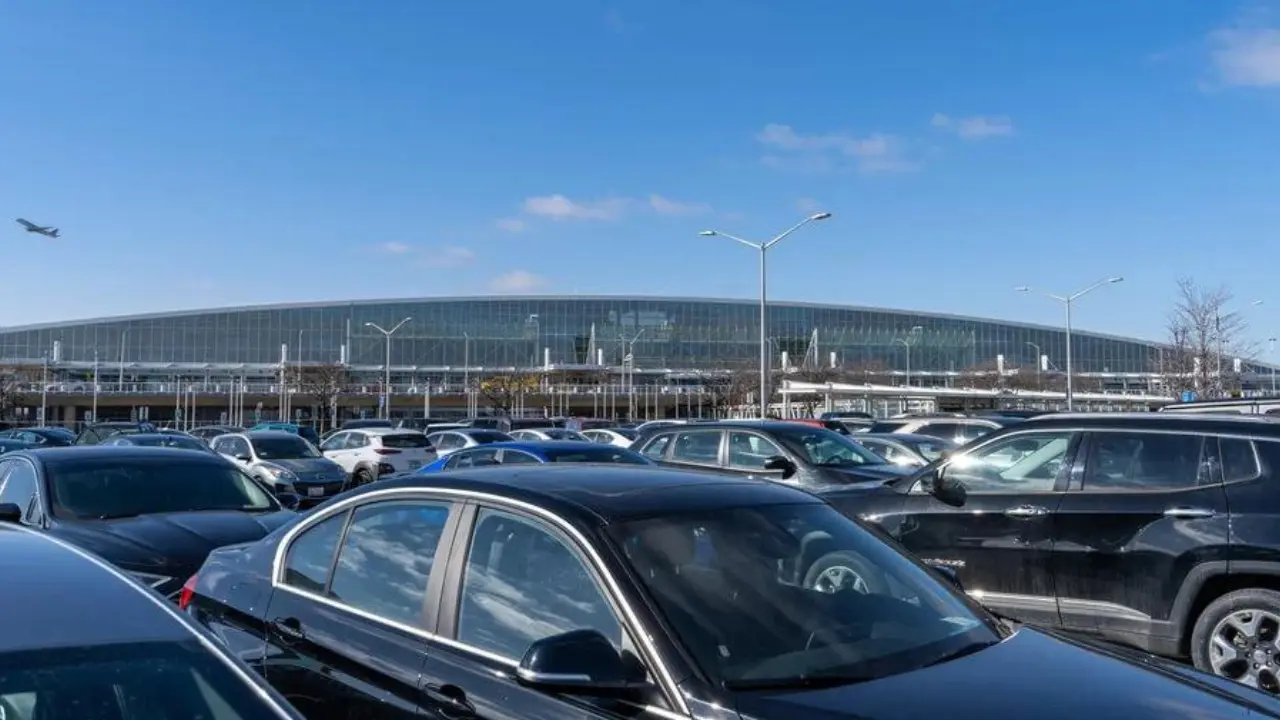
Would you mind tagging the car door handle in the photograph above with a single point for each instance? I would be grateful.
(1026, 511)
(1189, 513)
(451, 700)
(288, 627)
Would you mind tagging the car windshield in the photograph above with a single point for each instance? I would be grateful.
(818, 446)
(887, 426)
(484, 437)
(146, 679)
(788, 595)
(114, 487)
(562, 434)
(405, 441)
(283, 448)
(596, 454)
(167, 440)
(930, 448)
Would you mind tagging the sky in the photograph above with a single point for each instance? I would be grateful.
(204, 153)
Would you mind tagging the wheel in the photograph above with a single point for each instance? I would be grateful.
(1235, 638)
(363, 477)
(841, 570)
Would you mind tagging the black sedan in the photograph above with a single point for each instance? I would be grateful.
(630, 592)
(59, 660)
(155, 512)
(50, 436)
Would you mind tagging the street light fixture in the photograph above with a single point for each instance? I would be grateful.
(386, 368)
(912, 335)
(763, 249)
(1067, 300)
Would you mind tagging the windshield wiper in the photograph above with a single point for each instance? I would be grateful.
(809, 682)
(117, 516)
(969, 649)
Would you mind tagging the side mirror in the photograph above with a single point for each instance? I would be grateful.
(778, 462)
(243, 457)
(948, 573)
(947, 491)
(290, 500)
(10, 513)
(946, 454)
(581, 662)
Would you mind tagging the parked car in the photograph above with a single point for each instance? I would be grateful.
(8, 445)
(959, 429)
(59, 660)
(306, 432)
(447, 441)
(284, 462)
(369, 453)
(153, 512)
(40, 436)
(655, 593)
(905, 449)
(1152, 529)
(209, 432)
(181, 441)
(539, 434)
(95, 433)
(770, 450)
(363, 423)
(617, 436)
(544, 451)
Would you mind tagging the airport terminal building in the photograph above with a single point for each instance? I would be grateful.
(446, 343)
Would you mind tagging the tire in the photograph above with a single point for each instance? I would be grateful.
(1258, 660)
(843, 570)
(363, 477)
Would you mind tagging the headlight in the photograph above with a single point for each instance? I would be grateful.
(151, 579)
(276, 472)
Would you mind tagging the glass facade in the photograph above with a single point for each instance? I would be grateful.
(676, 334)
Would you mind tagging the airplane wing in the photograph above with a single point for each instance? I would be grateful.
(27, 225)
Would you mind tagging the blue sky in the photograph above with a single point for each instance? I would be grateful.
(213, 153)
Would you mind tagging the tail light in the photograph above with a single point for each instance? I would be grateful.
(188, 592)
(387, 451)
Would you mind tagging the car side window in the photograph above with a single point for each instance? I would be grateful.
(749, 451)
(656, 449)
(699, 447)
(337, 442)
(1145, 462)
(968, 432)
(523, 583)
(475, 458)
(310, 557)
(1239, 459)
(19, 484)
(1023, 463)
(387, 557)
(945, 430)
(516, 457)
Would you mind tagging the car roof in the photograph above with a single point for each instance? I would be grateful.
(904, 437)
(72, 616)
(1187, 422)
(158, 435)
(109, 453)
(266, 434)
(606, 493)
(384, 430)
(538, 446)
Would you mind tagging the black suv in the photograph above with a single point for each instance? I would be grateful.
(792, 452)
(1161, 531)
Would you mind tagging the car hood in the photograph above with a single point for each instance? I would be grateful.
(1039, 675)
(169, 540)
(311, 469)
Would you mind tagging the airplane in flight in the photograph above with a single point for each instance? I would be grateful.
(32, 227)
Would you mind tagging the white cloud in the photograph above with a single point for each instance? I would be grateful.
(808, 206)
(665, 206)
(877, 152)
(559, 207)
(395, 248)
(511, 225)
(1246, 57)
(977, 127)
(517, 281)
(448, 256)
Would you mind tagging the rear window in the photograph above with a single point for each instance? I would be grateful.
(484, 438)
(405, 441)
(886, 426)
(595, 454)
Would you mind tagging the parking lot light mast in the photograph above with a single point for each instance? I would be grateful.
(763, 249)
(386, 368)
(1067, 300)
(915, 332)
(1271, 350)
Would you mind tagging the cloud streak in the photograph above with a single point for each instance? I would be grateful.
(1246, 56)
(873, 153)
(978, 127)
(517, 281)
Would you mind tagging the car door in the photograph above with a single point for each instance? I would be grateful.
(472, 458)
(699, 450)
(346, 630)
(749, 451)
(335, 448)
(1147, 508)
(515, 565)
(1000, 540)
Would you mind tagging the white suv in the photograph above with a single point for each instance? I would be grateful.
(369, 453)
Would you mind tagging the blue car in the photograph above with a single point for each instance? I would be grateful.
(527, 453)
(306, 432)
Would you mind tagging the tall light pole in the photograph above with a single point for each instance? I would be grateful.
(1067, 300)
(763, 249)
(1039, 361)
(386, 368)
(120, 382)
(94, 414)
(1271, 350)
(44, 390)
(629, 370)
(915, 333)
(466, 370)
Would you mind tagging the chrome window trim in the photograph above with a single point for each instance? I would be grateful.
(631, 620)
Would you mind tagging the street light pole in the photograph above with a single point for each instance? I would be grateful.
(1039, 360)
(629, 370)
(120, 382)
(1067, 301)
(44, 390)
(94, 415)
(907, 344)
(386, 368)
(1271, 350)
(763, 249)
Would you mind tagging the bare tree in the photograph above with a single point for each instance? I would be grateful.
(730, 388)
(502, 391)
(325, 384)
(15, 381)
(1205, 336)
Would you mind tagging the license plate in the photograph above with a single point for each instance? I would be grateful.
(414, 464)
(315, 492)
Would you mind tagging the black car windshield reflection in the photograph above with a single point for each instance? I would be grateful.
(593, 454)
(821, 447)
(283, 448)
(795, 595)
(104, 488)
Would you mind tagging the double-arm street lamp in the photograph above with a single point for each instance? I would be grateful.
(907, 343)
(1067, 300)
(763, 249)
(386, 369)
